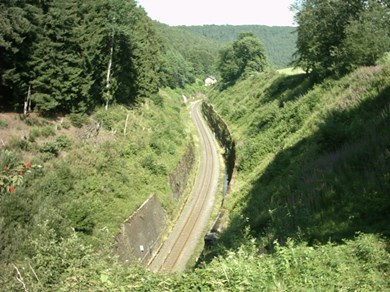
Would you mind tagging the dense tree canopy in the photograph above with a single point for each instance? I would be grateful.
(73, 55)
(244, 56)
(335, 36)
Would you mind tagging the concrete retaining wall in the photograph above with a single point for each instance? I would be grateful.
(140, 236)
(222, 133)
(179, 177)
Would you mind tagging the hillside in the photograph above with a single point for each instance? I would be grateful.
(189, 55)
(279, 42)
(313, 158)
(82, 176)
(311, 196)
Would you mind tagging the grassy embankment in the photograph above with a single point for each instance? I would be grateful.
(90, 182)
(313, 160)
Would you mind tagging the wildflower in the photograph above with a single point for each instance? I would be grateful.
(11, 189)
(27, 165)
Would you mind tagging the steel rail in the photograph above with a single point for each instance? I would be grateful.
(203, 189)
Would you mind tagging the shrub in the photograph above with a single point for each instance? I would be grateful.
(7, 159)
(19, 143)
(50, 147)
(65, 124)
(3, 124)
(34, 133)
(149, 162)
(112, 117)
(81, 214)
(63, 142)
(48, 131)
(77, 119)
(55, 146)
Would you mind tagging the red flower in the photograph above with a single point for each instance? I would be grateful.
(27, 164)
(11, 189)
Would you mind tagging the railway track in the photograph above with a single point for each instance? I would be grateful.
(181, 243)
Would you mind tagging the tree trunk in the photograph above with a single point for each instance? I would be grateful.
(108, 78)
(125, 129)
(27, 102)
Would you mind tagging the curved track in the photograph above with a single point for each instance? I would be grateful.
(181, 243)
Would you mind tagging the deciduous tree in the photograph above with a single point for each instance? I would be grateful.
(244, 56)
(334, 36)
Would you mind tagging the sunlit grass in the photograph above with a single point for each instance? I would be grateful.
(291, 71)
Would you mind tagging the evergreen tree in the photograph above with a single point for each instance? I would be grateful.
(131, 53)
(146, 57)
(72, 55)
(96, 42)
(19, 23)
(60, 83)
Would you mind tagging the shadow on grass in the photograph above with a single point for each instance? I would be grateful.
(288, 88)
(326, 187)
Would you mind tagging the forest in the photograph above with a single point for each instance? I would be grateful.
(279, 41)
(93, 122)
(73, 56)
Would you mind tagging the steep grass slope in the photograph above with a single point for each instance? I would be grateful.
(313, 160)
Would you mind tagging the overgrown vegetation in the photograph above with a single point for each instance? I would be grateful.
(91, 180)
(314, 157)
(312, 172)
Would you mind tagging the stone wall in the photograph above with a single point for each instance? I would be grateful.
(179, 177)
(140, 236)
(222, 133)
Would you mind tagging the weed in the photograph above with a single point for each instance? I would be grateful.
(77, 119)
(65, 124)
(47, 131)
(19, 143)
(3, 124)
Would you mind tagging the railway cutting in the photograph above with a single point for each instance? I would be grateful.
(181, 243)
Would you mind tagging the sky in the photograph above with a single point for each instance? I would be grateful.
(235, 12)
